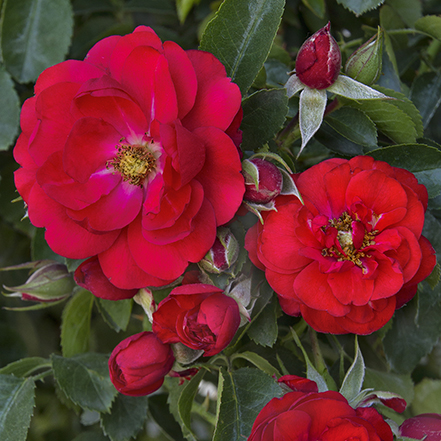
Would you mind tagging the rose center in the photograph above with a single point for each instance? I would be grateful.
(133, 162)
(351, 240)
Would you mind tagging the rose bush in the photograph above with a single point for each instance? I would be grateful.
(199, 316)
(139, 363)
(324, 416)
(353, 253)
(130, 158)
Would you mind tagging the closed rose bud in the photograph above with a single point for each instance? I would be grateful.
(223, 254)
(263, 180)
(318, 61)
(300, 384)
(426, 426)
(366, 62)
(139, 364)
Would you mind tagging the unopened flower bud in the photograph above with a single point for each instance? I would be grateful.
(49, 283)
(263, 180)
(426, 426)
(318, 61)
(223, 254)
(366, 62)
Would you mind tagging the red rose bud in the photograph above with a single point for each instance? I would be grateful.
(366, 62)
(223, 254)
(139, 364)
(263, 180)
(199, 316)
(318, 61)
(299, 384)
(48, 283)
(426, 426)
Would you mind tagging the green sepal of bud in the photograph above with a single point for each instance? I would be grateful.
(144, 297)
(185, 355)
(365, 63)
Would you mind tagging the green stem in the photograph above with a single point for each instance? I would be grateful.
(200, 410)
(42, 375)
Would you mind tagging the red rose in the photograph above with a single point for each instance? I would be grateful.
(318, 61)
(199, 316)
(354, 252)
(139, 363)
(129, 156)
(426, 426)
(324, 416)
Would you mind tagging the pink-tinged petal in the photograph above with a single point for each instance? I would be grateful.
(101, 52)
(382, 195)
(408, 179)
(388, 278)
(91, 143)
(90, 276)
(336, 181)
(363, 163)
(221, 175)
(164, 328)
(24, 179)
(119, 266)
(234, 131)
(113, 211)
(147, 78)
(358, 232)
(218, 99)
(349, 287)
(142, 36)
(408, 254)
(70, 71)
(64, 190)
(79, 243)
(251, 239)
(387, 240)
(168, 262)
(153, 195)
(386, 220)
(283, 284)
(289, 306)
(285, 430)
(183, 225)
(21, 152)
(321, 321)
(370, 417)
(183, 76)
(28, 116)
(311, 280)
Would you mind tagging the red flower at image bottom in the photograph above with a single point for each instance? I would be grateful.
(130, 158)
(353, 253)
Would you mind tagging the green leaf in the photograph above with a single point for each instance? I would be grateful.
(186, 399)
(183, 7)
(317, 7)
(115, 313)
(85, 380)
(426, 95)
(263, 331)
(359, 7)
(241, 35)
(420, 159)
(427, 397)
(332, 140)
(9, 110)
(91, 436)
(25, 366)
(258, 361)
(415, 330)
(75, 324)
(17, 398)
(354, 377)
(243, 395)
(408, 10)
(126, 418)
(430, 24)
(36, 34)
(354, 125)
(159, 410)
(264, 113)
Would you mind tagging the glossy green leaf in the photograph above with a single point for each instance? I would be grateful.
(426, 95)
(354, 377)
(264, 113)
(243, 395)
(159, 410)
(263, 331)
(75, 325)
(115, 313)
(430, 24)
(9, 110)
(25, 366)
(35, 35)
(241, 35)
(16, 406)
(258, 361)
(359, 7)
(85, 380)
(316, 6)
(408, 10)
(127, 417)
(332, 140)
(427, 397)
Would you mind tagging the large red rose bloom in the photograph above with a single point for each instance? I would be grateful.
(353, 253)
(130, 157)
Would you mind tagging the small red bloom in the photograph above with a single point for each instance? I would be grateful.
(354, 252)
(199, 316)
(324, 416)
(139, 363)
(426, 426)
(130, 158)
(299, 384)
(318, 61)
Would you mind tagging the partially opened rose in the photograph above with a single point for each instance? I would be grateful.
(354, 252)
(130, 157)
(199, 316)
(324, 416)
